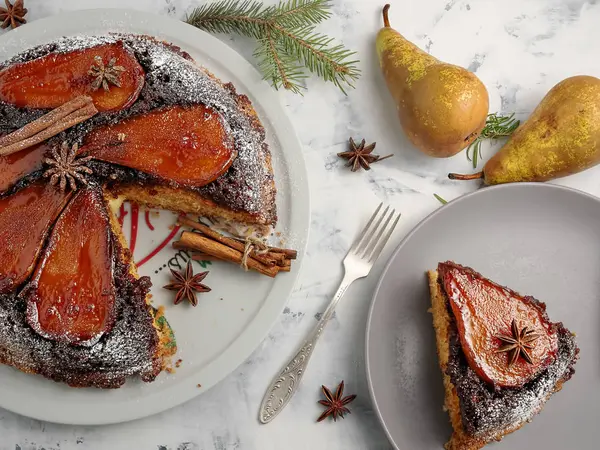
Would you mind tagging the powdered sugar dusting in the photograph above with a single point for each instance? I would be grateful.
(172, 78)
(129, 349)
(488, 413)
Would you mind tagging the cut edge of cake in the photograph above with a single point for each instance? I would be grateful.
(167, 344)
(442, 323)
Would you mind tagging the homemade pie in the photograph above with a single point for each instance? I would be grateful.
(168, 135)
(500, 356)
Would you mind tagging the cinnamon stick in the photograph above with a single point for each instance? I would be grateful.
(289, 254)
(219, 250)
(269, 260)
(49, 125)
(286, 263)
(204, 257)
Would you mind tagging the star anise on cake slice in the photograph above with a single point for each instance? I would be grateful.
(65, 167)
(105, 75)
(335, 403)
(187, 284)
(518, 343)
(361, 155)
(13, 14)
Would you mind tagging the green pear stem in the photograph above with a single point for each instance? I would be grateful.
(472, 176)
(386, 19)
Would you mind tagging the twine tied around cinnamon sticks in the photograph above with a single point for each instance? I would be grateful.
(253, 244)
(207, 244)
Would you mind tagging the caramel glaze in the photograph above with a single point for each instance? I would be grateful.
(248, 184)
(488, 412)
(54, 79)
(192, 145)
(14, 167)
(483, 310)
(131, 346)
(71, 295)
(25, 219)
(129, 349)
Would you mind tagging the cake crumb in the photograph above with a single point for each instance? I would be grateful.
(198, 385)
(178, 363)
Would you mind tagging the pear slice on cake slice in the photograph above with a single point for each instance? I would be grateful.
(52, 80)
(191, 146)
(501, 357)
(25, 220)
(71, 296)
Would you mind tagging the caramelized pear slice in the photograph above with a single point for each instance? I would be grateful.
(72, 294)
(191, 146)
(14, 167)
(484, 312)
(54, 79)
(25, 219)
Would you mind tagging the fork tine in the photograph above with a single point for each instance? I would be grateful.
(364, 231)
(364, 242)
(376, 239)
(382, 244)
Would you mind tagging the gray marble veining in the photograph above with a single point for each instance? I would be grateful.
(519, 49)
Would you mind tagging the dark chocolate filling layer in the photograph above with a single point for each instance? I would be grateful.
(488, 412)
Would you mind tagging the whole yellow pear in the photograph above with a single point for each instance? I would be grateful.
(442, 107)
(561, 137)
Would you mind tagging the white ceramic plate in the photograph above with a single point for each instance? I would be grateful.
(229, 322)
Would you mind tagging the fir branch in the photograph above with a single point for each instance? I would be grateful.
(298, 13)
(280, 69)
(287, 40)
(495, 127)
(319, 56)
(231, 16)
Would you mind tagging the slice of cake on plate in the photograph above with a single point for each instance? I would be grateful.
(500, 356)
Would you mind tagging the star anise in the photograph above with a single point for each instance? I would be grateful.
(187, 284)
(335, 403)
(361, 156)
(66, 167)
(518, 343)
(105, 74)
(13, 15)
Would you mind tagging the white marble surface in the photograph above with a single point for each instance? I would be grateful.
(519, 49)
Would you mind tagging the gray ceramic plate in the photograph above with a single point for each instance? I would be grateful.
(539, 239)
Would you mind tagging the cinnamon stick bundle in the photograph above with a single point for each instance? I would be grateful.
(49, 125)
(208, 244)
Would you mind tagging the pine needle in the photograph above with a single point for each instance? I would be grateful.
(440, 199)
(287, 41)
(495, 127)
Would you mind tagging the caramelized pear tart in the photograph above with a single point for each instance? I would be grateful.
(168, 135)
(500, 355)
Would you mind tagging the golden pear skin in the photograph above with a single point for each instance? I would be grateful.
(442, 107)
(561, 137)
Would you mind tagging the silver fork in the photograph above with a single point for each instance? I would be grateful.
(357, 264)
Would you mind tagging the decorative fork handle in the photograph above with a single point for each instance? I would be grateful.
(284, 386)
